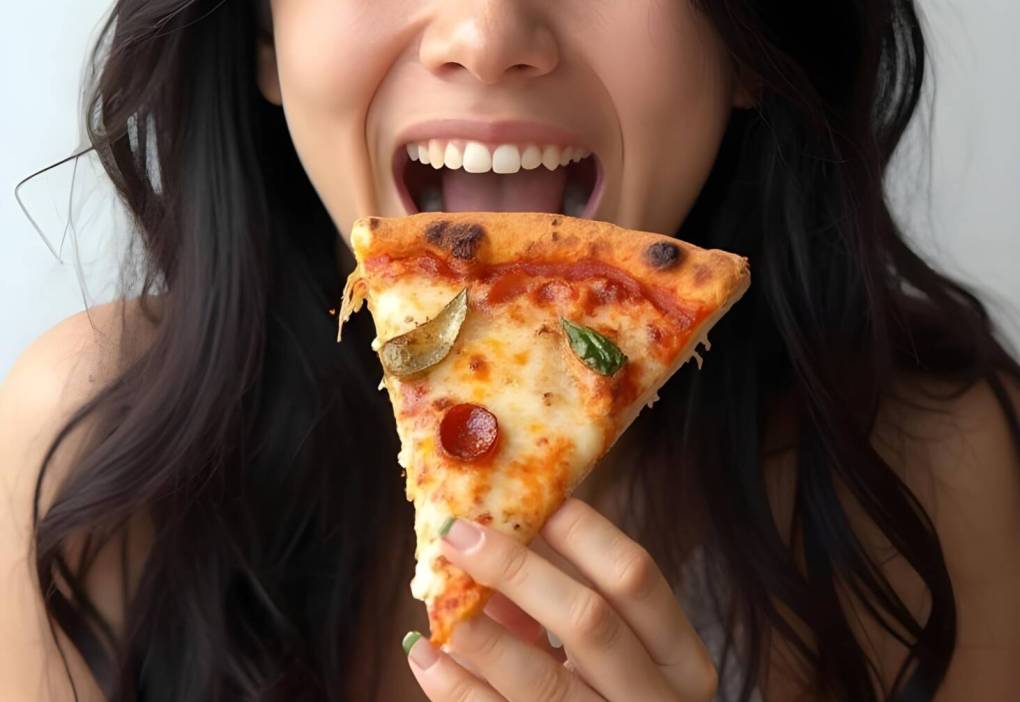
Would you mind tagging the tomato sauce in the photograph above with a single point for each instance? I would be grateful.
(625, 386)
(508, 281)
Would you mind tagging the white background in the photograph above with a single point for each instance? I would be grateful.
(960, 199)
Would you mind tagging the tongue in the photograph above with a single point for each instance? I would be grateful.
(538, 190)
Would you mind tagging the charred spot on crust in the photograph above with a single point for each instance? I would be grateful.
(663, 255)
(434, 233)
(465, 240)
(462, 240)
(556, 221)
(373, 223)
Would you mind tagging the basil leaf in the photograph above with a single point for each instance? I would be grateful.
(596, 351)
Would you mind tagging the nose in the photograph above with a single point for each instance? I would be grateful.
(488, 39)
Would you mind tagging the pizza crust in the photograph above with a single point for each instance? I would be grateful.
(706, 276)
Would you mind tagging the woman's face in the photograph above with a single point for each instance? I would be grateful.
(495, 95)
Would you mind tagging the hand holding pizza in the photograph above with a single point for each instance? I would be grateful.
(626, 637)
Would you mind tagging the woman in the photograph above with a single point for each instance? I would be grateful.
(204, 502)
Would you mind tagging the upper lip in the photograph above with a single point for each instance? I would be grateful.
(499, 132)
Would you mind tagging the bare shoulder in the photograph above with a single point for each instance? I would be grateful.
(58, 373)
(957, 452)
(64, 365)
(954, 434)
(52, 378)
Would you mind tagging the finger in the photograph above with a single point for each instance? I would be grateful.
(522, 625)
(610, 657)
(513, 618)
(440, 677)
(625, 573)
(518, 671)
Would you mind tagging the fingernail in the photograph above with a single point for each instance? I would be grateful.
(410, 639)
(460, 534)
(418, 651)
(445, 528)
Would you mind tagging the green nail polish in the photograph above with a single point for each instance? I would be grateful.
(410, 639)
(447, 525)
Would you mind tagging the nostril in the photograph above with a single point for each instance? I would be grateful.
(517, 68)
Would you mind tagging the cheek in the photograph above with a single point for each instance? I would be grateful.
(331, 56)
(669, 78)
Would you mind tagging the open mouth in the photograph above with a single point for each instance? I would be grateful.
(455, 175)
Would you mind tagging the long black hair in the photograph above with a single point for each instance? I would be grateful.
(264, 458)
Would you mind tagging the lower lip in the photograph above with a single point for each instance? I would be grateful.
(400, 160)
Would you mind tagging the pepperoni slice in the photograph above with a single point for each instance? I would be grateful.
(468, 431)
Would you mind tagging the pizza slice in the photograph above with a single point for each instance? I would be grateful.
(516, 348)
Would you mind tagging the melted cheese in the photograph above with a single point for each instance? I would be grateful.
(399, 307)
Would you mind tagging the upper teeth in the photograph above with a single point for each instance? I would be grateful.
(476, 157)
